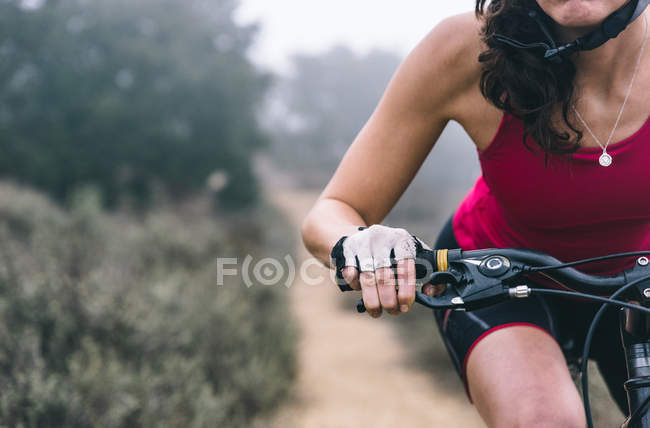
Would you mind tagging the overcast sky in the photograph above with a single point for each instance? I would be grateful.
(290, 26)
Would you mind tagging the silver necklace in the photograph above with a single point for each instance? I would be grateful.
(606, 159)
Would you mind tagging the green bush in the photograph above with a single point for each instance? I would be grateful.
(110, 321)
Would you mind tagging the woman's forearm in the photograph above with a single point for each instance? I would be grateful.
(326, 223)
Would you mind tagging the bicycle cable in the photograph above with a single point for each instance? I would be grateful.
(587, 347)
(606, 300)
(586, 261)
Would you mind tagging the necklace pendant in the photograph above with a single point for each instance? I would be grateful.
(605, 159)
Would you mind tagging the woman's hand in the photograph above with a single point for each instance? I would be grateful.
(368, 267)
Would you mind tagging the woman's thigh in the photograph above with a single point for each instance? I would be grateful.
(517, 376)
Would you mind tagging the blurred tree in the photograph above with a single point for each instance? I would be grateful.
(127, 95)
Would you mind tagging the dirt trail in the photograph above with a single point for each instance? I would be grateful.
(353, 370)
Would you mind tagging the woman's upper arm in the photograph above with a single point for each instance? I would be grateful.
(418, 103)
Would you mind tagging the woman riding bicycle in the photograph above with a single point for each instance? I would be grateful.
(555, 100)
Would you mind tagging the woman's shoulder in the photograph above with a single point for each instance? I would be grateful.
(439, 82)
(444, 65)
(462, 34)
(454, 44)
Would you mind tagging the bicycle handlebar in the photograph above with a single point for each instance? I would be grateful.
(567, 277)
(479, 278)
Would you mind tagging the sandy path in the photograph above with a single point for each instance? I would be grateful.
(353, 370)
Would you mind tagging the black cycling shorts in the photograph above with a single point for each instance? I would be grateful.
(567, 320)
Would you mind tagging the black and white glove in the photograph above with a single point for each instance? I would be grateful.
(373, 248)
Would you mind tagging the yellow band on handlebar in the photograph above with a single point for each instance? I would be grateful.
(441, 258)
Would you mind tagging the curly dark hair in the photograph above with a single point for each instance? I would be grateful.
(521, 82)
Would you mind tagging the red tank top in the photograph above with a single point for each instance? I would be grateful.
(572, 209)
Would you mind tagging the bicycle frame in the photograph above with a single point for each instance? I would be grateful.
(635, 335)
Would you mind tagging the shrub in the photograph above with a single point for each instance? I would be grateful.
(110, 321)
